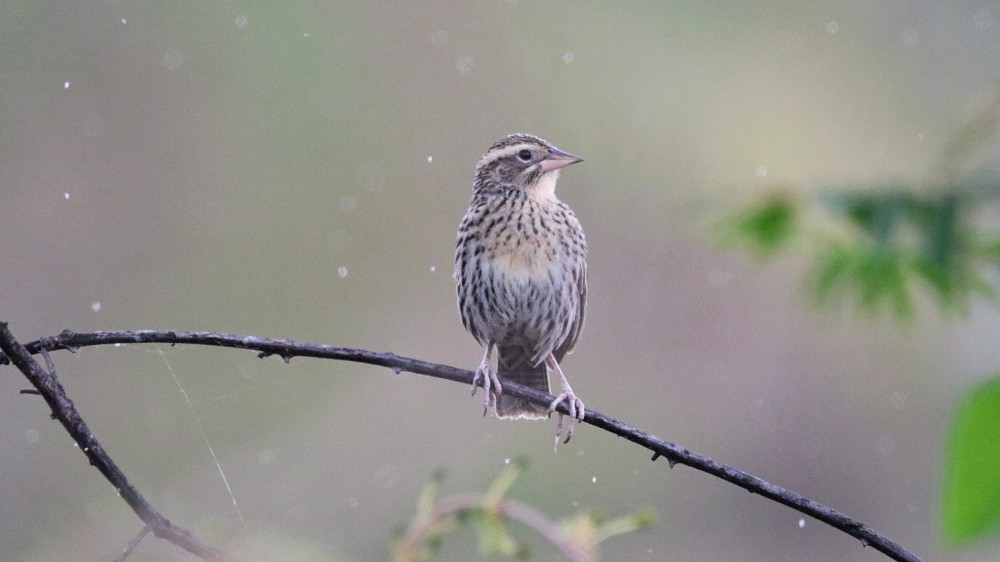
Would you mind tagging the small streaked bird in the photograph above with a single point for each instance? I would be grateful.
(521, 274)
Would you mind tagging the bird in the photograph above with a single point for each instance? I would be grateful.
(521, 276)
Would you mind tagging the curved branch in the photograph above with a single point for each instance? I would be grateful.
(513, 509)
(675, 454)
(48, 386)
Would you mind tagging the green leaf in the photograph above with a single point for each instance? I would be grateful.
(970, 496)
(876, 275)
(766, 228)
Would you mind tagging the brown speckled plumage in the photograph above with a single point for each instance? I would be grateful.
(521, 271)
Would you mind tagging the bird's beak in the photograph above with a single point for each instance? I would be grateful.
(558, 159)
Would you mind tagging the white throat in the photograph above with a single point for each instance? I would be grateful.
(545, 190)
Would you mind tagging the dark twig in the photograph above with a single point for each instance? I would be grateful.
(47, 384)
(674, 454)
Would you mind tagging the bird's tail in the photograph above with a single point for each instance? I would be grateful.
(514, 364)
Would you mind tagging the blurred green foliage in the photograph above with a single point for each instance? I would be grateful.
(576, 538)
(890, 243)
(766, 228)
(970, 496)
(880, 248)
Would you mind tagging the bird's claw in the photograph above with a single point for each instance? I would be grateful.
(576, 412)
(487, 378)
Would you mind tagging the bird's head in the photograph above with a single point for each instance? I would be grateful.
(523, 162)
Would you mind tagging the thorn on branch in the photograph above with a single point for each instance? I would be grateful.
(671, 461)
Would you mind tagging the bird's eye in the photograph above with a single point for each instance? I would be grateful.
(524, 155)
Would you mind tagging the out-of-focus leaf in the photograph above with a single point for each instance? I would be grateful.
(941, 234)
(875, 274)
(493, 536)
(766, 227)
(879, 214)
(970, 495)
(989, 250)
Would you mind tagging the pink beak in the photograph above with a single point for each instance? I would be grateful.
(558, 159)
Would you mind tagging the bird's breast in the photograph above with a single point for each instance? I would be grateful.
(525, 260)
(525, 247)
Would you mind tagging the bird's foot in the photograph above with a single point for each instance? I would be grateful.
(576, 412)
(487, 378)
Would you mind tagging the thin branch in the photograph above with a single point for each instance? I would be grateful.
(132, 544)
(674, 454)
(47, 384)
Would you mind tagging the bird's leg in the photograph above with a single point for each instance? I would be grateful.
(575, 405)
(490, 381)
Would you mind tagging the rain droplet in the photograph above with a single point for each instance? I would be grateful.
(93, 125)
(982, 18)
(897, 400)
(348, 203)
(430, 159)
(66, 196)
(118, 344)
(464, 64)
(96, 307)
(802, 523)
(593, 479)
(506, 460)
(241, 21)
(885, 444)
(354, 502)
(286, 358)
(831, 27)
(439, 38)
(307, 34)
(342, 272)
(173, 59)
(433, 269)
(761, 171)
(397, 370)
(387, 475)
(66, 85)
(124, 21)
(567, 57)
(719, 277)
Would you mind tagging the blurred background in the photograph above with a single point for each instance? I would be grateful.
(299, 170)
